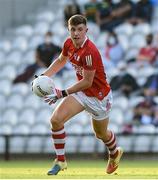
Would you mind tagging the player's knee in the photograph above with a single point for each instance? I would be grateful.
(56, 122)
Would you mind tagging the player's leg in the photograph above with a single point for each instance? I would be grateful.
(68, 108)
(108, 137)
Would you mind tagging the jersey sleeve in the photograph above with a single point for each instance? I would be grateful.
(65, 48)
(90, 60)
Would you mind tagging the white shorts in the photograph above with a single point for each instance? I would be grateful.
(99, 110)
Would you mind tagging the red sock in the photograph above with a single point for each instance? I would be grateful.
(111, 145)
(59, 143)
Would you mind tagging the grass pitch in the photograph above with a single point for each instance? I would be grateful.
(81, 169)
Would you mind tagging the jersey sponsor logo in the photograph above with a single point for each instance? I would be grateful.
(88, 60)
(78, 69)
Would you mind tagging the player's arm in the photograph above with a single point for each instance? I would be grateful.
(56, 65)
(86, 82)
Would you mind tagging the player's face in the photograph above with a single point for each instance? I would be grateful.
(78, 34)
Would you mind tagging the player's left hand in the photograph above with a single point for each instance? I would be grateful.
(57, 94)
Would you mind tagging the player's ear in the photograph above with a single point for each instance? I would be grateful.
(87, 30)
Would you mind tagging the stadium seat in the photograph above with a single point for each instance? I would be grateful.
(126, 142)
(43, 116)
(121, 102)
(31, 101)
(5, 45)
(41, 27)
(125, 28)
(6, 129)
(27, 116)
(144, 28)
(142, 143)
(148, 128)
(17, 144)
(24, 30)
(29, 57)
(101, 41)
(72, 144)
(35, 144)
(124, 41)
(7, 84)
(20, 43)
(14, 57)
(61, 32)
(82, 118)
(15, 101)
(88, 144)
(10, 116)
(2, 57)
(134, 101)
(131, 53)
(2, 101)
(39, 129)
(114, 126)
(46, 16)
(48, 145)
(88, 129)
(22, 128)
(75, 129)
(154, 145)
(2, 145)
(116, 115)
(101, 148)
(8, 72)
(94, 30)
(137, 40)
(20, 88)
(35, 41)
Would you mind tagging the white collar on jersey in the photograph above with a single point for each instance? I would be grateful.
(84, 42)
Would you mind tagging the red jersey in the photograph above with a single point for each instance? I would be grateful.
(88, 57)
(149, 52)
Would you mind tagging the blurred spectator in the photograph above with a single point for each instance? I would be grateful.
(124, 83)
(155, 118)
(114, 52)
(71, 9)
(144, 111)
(147, 55)
(44, 55)
(91, 10)
(151, 86)
(113, 13)
(142, 12)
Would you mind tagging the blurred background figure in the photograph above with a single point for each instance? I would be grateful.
(113, 13)
(91, 10)
(70, 9)
(147, 55)
(150, 88)
(114, 52)
(124, 82)
(44, 55)
(144, 111)
(142, 11)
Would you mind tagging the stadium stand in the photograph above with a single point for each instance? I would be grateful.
(23, 113)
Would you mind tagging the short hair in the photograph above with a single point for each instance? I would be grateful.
(77, 19)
